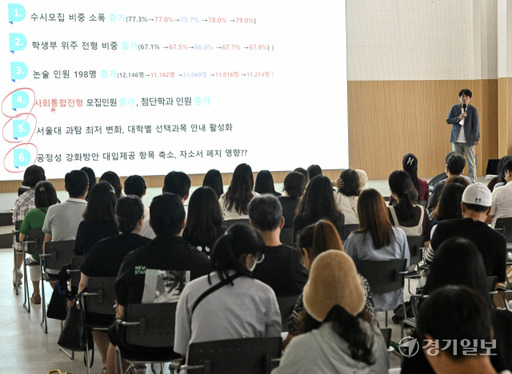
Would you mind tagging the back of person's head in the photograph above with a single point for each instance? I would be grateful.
(166, 214)
(204, 216)
(459, 179)
(500, 170)
(507, 166)
(114, 180)
(456, 164)
(400, 184)
(319, 237)
(314, 170)
(304, 172)
(265, 212)
(91, 175)
(458, 318)
(457, 261)
(294, 184)
(32, 175)
(213, 179)
(231, 249)
(374, 217)
(76, 182)
(363, 179)
(410, 166)
(318, 201)
(239, 192)
(264, 183)
(477, 197)
(465, 92)
(135, 185)
(45, 194)
(351, 186)
(101, 203)
(448, 206)
(129, 211)
(177, 182)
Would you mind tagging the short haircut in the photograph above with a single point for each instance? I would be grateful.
(314, 170)
(448, 156)
(135, 185)
(475, 207)
(466, 92)
(167, 214)
(294, 184)
(456, 164)
(459, 315)
(129, 210)
(507, 165)
(177, 182)
(351, 185)
(265, 212)
(304, 172)
(32, 175)
(44, 194)
(76, 182)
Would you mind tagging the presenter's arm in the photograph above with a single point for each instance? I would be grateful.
(453, 118)
(476, 127)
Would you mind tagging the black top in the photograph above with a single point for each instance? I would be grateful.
(90, 233)
(204, 247)
(282, 270)
(163, 253)
(490, 243)
(435, 195)
(289, 206)
(300, 222)
(105, 257)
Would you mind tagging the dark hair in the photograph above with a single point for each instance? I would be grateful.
(265, 183)
(401, 185)
(448, 206)
(239, 192)
(318, 201)
(101, 204)
(374, 218)
(410, 166)
(507, 166)
(304, 172)
(76, 182)
(204, 217)
(351, 186)
(230, 249)
(476, 208)
(90, 175)
(213, 179)
(45, 194)
(112, 178)
(466, 92)
(501, 168)
(177, 182)
(32, 175)
(314, 170)
(457, 261)
(135, 185)
(448, 156)
(457, 179)
(265, 212)
(166, 214)
(459, 315)
(319, 237)
(294, 184)
(456, 164)
(129, 211)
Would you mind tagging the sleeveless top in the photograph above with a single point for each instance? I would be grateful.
(416, 230)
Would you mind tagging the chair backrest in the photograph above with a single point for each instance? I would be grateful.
(286, 305)
(22, 190)
(491, 282)
(386, 334)
(16, 232)
(383, 276)
(232, 222)
(74, 270)
(101, 295)
(505, 226)
(156, 328)
(34, 242)
(236, 356)
(415, 246)
(286, 236)
(347, 229)
(58, 254)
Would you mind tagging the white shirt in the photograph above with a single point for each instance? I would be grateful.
(348, 206)
(462, 136)
(501, 202)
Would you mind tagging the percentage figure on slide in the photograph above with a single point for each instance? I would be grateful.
(217, 20)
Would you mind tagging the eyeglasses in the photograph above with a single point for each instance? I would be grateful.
(259, 257)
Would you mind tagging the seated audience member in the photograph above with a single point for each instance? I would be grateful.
(304, 172)
(347, 195)
(204, 220)
(314, 170)
(92, 178)
(45, 196)
(407, 215)
(318, 203)
(448, 206)
(377, 240)
(99, 220)
(213, 179)
(499, 179)
(25, 202)
(136, 185)
(105, 257)
(410, 166)
(168, 251)
(462, 341)
(313, 240)
(177, 182)
(114, 180)
(454, 167)
(242, 307)
(234, 202)
(502, 197)
(281, 268)
(476, 204)
(363, 180)
(265, 183)
(294, 184)
(335, 338)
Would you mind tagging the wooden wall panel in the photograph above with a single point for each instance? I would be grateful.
(504, 116)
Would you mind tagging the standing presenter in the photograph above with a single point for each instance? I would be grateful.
(465, 130)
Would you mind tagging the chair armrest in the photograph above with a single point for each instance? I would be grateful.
(126, 323)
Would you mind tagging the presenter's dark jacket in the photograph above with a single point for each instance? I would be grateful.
(471, 124)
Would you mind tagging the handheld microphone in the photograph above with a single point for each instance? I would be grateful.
(464, 107)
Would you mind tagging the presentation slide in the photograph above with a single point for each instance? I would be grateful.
(152, 86)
